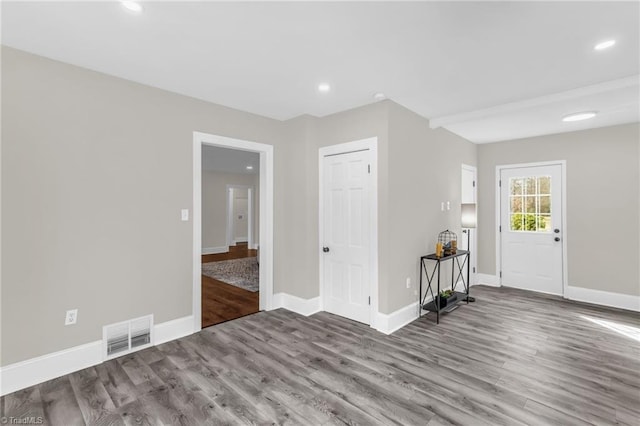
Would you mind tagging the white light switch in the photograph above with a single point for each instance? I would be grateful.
(442, 206)
(185, 215)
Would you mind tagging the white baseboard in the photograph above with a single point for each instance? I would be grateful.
(490, 280)
(296, 304)
(23, 374)
(389, 323)
(27, 373)
(172, 330)
(254, 246)
(215, 250)
(598, 297)
(240, 240)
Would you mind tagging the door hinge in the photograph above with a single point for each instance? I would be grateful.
(500, 274)
(369, 300)
(474, 183)
(369, 168)
(474, 269)
(500, 228)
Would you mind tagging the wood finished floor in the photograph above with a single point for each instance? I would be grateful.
(221, 301)
(530, 359)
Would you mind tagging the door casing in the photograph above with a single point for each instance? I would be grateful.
(265, 216)
(370, 144)
(565, 229)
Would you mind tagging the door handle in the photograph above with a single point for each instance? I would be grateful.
(325, 249)
(556, 239)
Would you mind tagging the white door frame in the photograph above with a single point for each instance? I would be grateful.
(230, 228)
(372, 145)
(563, 167)
(266, 217)
(474, 242)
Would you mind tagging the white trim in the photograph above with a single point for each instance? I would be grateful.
(490, 280)
(605, 298)
(172, 330)
(266, 217)
(372, 145)
(498, 212)
(390, 323)
(23, 374)
(296, 304)
(46, 367)
(607, 86)
(215, 250)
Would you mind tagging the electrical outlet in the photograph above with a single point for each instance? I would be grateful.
(408, 282)
(72, 317)
(184, 215)
(415, 292)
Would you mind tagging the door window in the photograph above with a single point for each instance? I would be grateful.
(530, 204)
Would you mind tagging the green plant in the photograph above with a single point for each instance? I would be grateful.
(446, 293)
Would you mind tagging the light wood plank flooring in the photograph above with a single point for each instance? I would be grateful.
(511, 358)
(221, 301)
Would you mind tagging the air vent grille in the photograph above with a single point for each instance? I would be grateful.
(127, 336)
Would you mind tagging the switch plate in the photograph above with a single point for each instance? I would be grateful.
(442, 206)
(71, 317)
(448, 205)
(185, 215)
(408, 282)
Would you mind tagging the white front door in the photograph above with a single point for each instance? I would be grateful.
(346, 235)
(531, 228)
(468, 192)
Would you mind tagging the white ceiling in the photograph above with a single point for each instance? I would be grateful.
(447, 61)
(217, 159)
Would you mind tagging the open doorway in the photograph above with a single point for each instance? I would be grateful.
(233, 202)
(230, 269)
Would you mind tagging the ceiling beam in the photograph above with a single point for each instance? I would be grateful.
(607, 86)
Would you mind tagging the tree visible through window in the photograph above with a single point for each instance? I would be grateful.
(530, 203)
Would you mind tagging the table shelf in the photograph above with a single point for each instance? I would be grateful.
(459, 260)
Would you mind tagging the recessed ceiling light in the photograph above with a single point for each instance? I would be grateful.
(578, 116)
(379, 96)
(249, 167)
(133, 6)
(604, 45)
(324, 87)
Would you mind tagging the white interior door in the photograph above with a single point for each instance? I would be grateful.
(531, 228)
(468, 195)
(346, 235)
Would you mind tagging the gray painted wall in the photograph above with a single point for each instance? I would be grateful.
(95, 170)
(603, 232)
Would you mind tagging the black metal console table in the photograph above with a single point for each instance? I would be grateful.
(459, 260)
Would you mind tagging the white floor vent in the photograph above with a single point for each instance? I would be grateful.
(127, 336)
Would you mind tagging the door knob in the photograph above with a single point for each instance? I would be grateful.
(557, 231)
(556, 239)
(325, 249)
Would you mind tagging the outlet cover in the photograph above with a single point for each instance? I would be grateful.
(72, 317)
